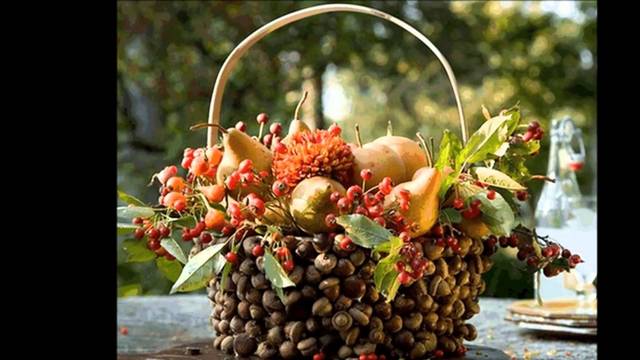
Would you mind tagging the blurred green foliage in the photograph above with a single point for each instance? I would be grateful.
(169, 54)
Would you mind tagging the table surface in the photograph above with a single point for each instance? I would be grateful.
(156, 323)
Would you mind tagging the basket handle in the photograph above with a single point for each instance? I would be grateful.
(247, 43)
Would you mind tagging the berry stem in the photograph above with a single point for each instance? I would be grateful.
(204, 125)
(426, 149)
(358, 139)
(299, 106)
(389, 128)
(260, 131)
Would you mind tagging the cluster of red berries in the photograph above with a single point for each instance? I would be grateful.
(197, 232)
(244, 176)
(445, 237)
(284, 256)
(534, 131)
(202, 162)
(371, 356)
(551, 251)
(473, 210)
(153, 234)
(370, 204)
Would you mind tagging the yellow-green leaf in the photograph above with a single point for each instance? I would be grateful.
(364, 231)
(137, 251)
(130, 212)
(169, 268)
(275, 273)
(129, 199)
(497, 178)
(174, 249)
(198, 270)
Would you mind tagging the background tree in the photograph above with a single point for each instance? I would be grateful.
(367, 71)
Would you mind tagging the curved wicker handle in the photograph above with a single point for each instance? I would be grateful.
(241, 49)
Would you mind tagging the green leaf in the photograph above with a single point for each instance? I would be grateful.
(129, 199)
(496, 214)
(497, 178)
(487, 140)
(198, 270)
(137, 251)
(514, 166)
(169, 268)
(130, 212)
(509, 198)
(226, 270)
(393, 290)
(525, 148)
(219, 262)
(450, 216)
(385, 276)
(174, 249)
(187, 221)
(275, 273)
(279, 292)
(129, 290)
(450, 146)
(364, 231)
(125, 228)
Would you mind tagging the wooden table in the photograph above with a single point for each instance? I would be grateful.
(157, 323)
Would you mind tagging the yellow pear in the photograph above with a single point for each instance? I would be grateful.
(423, 202)
(380, 159)
(296, 126)
(239, 146)
(311, 203)
(408, 150)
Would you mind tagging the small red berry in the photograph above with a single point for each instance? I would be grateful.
(330, 220)
(399, 266)
(547, 252)
(476, 203)
(380, 196)
(334, 130)
(262, 118)
(574, 260)
(245, 166)
(257, 251)
(528, 136)
(124, 330)
(370, 200)
(266, 140)
(458, 203)
(437, 230)
(491, 194)
(345, 243)
(241, 126)
(137, 221)
(533, 126)
(164, 231)
(438, 353)
(380, 220)
(335, 196)
(375, 210)
(354, 192)
(513, 240)
(404, 194)
(566, 253)
(288, 265)
(344, 203)
(362, 357)
(231, 257)
(179, 205)
(372, 356)
(138, 233)
(404, 278)
(280, 147)
(318, 356)
(205, 238)
(386, 185)
(538, 134)
(186, 235)
(154, 234)
(361, 210)
(522, 195)
(282, 252)
(405, 236)
(382, 357)
(532, 261)
(186, 162)
(154, 245)
(279, 188)
(471, 213)
(263, 174)
(366, 174)
(440, 242)
(169, 257)
(275, 128)
(455, 248)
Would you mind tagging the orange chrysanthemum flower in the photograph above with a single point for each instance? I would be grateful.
(313, 153)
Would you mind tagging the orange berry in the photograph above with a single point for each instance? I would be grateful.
(199, 166)
(214, 219)
(213, 193)
(214, 155)
(176, 183)
(171, 198)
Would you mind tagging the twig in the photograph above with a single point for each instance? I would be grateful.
(426, 149)
(358, 139)
(304, 97)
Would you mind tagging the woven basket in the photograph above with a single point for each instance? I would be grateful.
(334, 308)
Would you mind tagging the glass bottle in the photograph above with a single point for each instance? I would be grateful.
(564, 214)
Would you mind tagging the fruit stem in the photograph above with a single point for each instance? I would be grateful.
(295, 114)
(426, 149)
(204, 125)
(389, 128)
(358, 139)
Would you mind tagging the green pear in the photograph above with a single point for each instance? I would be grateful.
(311, 203)
(296, 126)
(239, 146)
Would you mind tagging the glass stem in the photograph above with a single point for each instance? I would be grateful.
(536, 287)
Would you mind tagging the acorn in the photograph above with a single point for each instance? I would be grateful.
(308, 292)
(249, 243)
(306, 249)
(357, 257)
(344, 268)
(413, 321)
(404, 340)
(259, 281)
(308, 346)
(288, 350)
(342, 303)
(354, 287)
(312, 325)
(293, 330)
(275, 336)
(351, 336)
(321, 242)
(252, 328)
(341, 321)
(237, 325)
(296, 274)
(418, 351)
(243, 310)
(359, 316)
(253, 296)
(321, 307)
(226, 345)
(312, 275)
(344, 352)
(266, 350)
(404, 305)
(394, 324)
(248, 267)
(325, 263)
(256, 312)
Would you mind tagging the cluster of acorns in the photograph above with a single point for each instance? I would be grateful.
(334, 310)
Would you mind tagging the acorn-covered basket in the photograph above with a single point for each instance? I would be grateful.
(310, 247)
